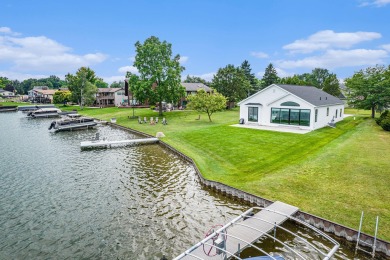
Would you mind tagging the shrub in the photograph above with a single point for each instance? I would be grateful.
(381, 117)
(152, 107)
(385, 123)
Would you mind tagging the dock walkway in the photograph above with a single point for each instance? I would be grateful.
(106, 143)
(241, 234)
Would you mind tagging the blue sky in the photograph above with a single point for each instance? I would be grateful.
(43, 38)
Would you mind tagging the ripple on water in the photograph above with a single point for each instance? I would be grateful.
(59, 202)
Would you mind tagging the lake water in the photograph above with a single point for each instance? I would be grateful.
(60, 202)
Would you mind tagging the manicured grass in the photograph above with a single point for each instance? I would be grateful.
(334, 173)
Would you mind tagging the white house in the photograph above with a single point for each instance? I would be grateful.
(6, 93)
(305, 107)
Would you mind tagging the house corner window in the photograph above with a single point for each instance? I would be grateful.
(316, 115)
(336, 112)
(327, 111)
(341, 112)
(253, 114)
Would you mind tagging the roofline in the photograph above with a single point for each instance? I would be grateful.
(242, 101)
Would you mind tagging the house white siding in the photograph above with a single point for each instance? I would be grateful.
(276, 106)
(120, 98)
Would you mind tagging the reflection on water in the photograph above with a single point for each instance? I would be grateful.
(58, 201)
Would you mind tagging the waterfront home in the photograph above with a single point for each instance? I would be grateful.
(109, 97)
(41, 94)
(304, 107)
(6, 93)
(192, 89)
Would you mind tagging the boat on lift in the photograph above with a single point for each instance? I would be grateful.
(44, 113)
(72, 122)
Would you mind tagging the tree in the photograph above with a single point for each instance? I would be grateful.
(82, 86)
(4, 81)
(370, 88)
(246, 67)
(100, 83)
(194, 79)
(120, 84)
(62, 97)
(232, 83)
(206, 102)
(331, 85)
(270, 76)
(318, 77)
(160, 74)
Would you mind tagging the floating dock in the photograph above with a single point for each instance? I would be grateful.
(244, 231)
(106, 143)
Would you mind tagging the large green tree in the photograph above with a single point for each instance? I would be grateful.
(82, 85)
(331, 85)
(370, 88)
(232, 83)
(159, 73)
(270, 76)
(206, 102)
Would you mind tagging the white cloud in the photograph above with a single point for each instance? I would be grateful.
(386, 47)
(125, 69)
(337, 59)
(7, 30)
(183, 59)
(43, 54)
(111, 79)
(377, 3)
(328, 39)
(22, 76)
(260, 55)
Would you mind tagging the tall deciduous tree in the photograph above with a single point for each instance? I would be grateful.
(61, 97)
(331, 85)
(270, 76)
(370, 88)
(82, 85)
(206, 102)
(159, 73)
(232, 83)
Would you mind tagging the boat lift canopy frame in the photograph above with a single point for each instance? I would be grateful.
(248, 214)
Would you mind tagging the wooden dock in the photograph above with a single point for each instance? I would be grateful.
(242, 232)
(106, 143)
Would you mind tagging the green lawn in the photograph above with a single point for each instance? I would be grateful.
(334, 173)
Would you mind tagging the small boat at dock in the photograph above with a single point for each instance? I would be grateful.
(72, 122)
(8, 108)
(44, 113)
(34, 107)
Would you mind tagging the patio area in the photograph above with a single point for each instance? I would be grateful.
(280, 128)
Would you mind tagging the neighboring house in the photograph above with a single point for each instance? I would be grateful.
(191, 89)
(6, 93)
(302, 106)
(41, 94)
(107, 97)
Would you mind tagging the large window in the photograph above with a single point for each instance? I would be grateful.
(290, 116)
(253, 113)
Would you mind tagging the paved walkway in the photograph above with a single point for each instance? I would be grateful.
(287, 129)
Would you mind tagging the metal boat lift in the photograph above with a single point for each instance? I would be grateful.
(228, 241)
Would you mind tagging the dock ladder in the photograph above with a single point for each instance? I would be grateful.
(373, 245)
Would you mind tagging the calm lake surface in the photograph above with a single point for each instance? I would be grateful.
(60, 202)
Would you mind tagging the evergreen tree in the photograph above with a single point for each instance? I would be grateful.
(270, 76)
(246, 67)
